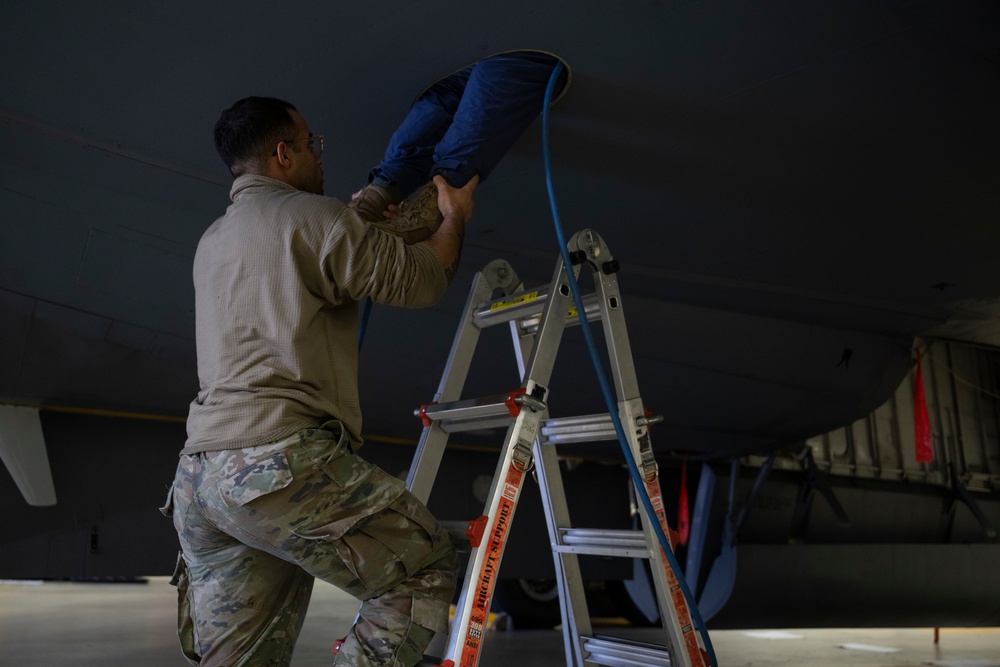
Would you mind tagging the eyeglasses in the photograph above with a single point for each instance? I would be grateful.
(315, 144)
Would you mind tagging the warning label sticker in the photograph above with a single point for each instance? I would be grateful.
(682, 612)
(520, 298)
(484, 584)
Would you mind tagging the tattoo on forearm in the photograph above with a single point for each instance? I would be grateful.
(449, 271)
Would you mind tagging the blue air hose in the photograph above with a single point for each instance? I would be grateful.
(602, 378)
(366, 313)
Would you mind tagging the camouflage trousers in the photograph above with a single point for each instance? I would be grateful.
(257, 525)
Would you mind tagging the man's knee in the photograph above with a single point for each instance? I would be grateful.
(388, 634)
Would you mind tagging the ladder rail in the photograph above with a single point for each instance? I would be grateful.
(612, 314)
(465, 640)
(569, 579)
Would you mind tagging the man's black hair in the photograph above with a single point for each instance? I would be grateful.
(247, 132)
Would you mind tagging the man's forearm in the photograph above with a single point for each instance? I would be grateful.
(456, 206)
(446, 243)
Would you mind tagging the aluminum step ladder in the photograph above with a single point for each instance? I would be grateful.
(537, 320)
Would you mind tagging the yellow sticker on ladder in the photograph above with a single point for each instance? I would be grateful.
(519, 299)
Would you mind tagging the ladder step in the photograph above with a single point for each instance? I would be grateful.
(494, 412)
(478, 413)
(527, 308)
(467, 415)
(616, 652)
(588, 428)
(571, 430)
(603, 542)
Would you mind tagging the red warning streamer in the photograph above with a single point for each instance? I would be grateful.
(921, 421)
(683, 511)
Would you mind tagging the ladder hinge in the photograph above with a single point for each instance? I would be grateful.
(520, 397)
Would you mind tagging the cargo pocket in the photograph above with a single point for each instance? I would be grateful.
(340, 552)
(394, 545)
(429, 612)
(185, 622)
(413, 535)
(428, 615)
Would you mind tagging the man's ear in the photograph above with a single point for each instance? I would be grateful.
(284, 154)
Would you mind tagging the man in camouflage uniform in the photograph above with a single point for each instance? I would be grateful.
(270, 491)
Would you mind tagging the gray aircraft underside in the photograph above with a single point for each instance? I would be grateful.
(797, 193)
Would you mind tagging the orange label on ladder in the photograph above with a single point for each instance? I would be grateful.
(691, 646)
(486, 579)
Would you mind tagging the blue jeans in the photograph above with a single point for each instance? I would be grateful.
(464, 124)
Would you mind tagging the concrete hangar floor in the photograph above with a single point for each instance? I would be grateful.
(128, 624)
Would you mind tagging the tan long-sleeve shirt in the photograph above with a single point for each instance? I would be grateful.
(277, 280)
